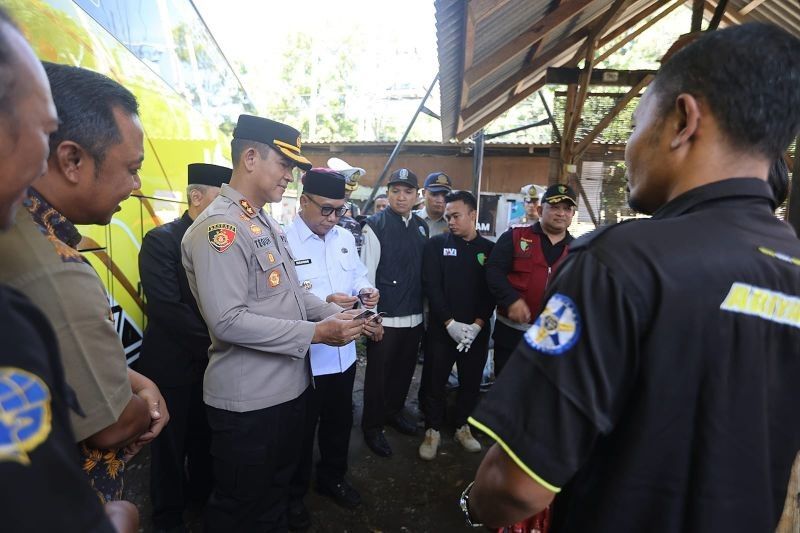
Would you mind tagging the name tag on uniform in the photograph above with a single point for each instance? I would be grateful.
(263, 241)
(449, 252)
(301, 262)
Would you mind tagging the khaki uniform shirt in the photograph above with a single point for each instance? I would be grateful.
(39, 259)
(241, 272)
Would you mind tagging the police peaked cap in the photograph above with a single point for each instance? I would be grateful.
(285, 139)
(324, 182)
(205, 174)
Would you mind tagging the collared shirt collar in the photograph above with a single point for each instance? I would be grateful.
(305, 233)
(725, 189)
(49, 220)
(401, 217)
(423, 214)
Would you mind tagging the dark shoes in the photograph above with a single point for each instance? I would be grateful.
(402, 424)
(342, 493)
(376, 441)
(299, 519)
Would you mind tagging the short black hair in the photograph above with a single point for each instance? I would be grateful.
(8, 61)
(85, 102)
(381, 196)
(749, 77)
(239, 146)
(462, 196)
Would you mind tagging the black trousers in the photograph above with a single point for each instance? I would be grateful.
(186, 439)
(390, 367)
(506, 340)
(443, 353)
(330, 404)
(255, 455)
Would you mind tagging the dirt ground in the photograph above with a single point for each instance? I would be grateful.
(400, 494)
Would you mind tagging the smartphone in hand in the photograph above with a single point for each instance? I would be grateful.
(367, 315)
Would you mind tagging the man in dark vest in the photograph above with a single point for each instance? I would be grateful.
(175, 356)
(522, 262)
(393, 243)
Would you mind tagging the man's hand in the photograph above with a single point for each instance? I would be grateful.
(369, 296)
(519, 312)
(342, 300)
(456, 330)
(338, 329)
(373, 329)
(145, 389)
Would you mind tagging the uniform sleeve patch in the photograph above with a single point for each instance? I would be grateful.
(25, 415)
(221, 236)
(557, 328)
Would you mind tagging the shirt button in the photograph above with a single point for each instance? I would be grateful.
(299, 350)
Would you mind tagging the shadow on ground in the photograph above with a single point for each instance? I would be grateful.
(401, 494)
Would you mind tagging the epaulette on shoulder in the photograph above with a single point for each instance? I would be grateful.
(590, 239)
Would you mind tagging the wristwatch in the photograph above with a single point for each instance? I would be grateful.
(464, 503)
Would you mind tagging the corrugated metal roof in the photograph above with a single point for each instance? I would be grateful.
(473, 31)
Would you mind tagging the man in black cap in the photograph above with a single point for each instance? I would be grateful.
(175, 354)
(393, 243)
(261, 322)
(436, 187)
(657, 391)
(522, 263)
(329, 267)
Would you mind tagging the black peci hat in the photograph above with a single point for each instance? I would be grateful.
(324, 182)
(206, 174)
(285, 139)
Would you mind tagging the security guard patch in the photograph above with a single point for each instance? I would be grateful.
(557, 329)
(221, 236)
(25, 414)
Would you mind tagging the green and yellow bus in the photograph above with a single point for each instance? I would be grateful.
(189, 99)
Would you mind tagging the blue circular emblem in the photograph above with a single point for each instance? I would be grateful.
(24, 414)
(557, 329)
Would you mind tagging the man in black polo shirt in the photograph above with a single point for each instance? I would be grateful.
(454, 279)
(657, 391)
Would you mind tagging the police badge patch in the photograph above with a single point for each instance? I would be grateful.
(221, 236)
(557, 329)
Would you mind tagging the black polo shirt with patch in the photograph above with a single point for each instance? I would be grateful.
(660, 386)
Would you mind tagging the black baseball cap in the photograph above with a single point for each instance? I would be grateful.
(404, 176)
(560, 193)
(438, 182)
(285, 139)
(206, 174)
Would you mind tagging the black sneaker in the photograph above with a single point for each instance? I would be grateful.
(376, 441)
(342, 493)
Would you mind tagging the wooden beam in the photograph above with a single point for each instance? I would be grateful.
(575, 116)
(598, 28)
(572, 91)
(628, 23)
(697, 14)
(749, 7)
(717, 18)
(551, 117)
(728, 18)
(538, 31)
(611, 115)
(640, 30)
(473, 126)
(602, 77)
(522, 74)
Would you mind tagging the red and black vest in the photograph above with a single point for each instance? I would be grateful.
(529, 269)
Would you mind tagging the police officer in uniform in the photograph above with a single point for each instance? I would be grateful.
(175, 354)
(436, 187)
(329, 267)
(522, 262)
(657, 391)
(393, 244)
(45, 489)
(530, 204)
(261, 322)
(351, 175)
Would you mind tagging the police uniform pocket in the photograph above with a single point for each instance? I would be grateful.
(271, 278)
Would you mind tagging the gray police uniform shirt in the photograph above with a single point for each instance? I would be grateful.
(435, 227)
(241, 272)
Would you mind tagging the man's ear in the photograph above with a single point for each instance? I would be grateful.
(195, 196)
(71, 160)
(539, 209)
(249, 157)
(686, 120)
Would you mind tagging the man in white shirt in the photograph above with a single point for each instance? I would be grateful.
(328, 266)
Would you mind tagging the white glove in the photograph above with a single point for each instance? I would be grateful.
(457, 330)
(464, 346)
(472, 332)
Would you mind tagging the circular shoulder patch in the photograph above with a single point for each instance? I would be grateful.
(24, 414)
(557, 329)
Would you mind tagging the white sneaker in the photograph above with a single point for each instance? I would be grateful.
(467, 441)
(428, 448)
